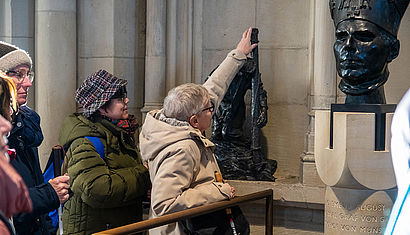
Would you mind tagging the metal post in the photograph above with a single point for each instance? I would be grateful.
(269, 215)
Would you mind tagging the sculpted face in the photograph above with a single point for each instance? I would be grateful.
(361, 52)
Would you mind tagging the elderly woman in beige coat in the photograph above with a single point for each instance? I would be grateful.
(180, 158)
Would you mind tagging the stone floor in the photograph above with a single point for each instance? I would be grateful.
(260, 230)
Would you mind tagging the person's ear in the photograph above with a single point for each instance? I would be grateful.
(394, 51)
(193, 120)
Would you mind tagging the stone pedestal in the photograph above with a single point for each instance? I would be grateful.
(360, 181)
(352, 162)
(357, 211)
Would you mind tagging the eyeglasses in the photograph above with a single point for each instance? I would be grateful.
(21, 75)
(120, 95)
(124, 97)
(210, 108)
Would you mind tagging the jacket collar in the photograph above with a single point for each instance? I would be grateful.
(26, 129)
(194, 133)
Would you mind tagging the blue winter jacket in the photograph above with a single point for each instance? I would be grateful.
(25, 137)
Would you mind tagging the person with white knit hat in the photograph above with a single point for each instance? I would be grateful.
(16, 63)
(25, 137)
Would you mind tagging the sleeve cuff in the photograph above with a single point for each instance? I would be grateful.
(237, 54)
(226, 191)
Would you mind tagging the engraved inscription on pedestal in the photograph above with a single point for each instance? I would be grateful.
(353, 211)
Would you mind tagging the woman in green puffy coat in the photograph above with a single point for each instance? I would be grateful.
(108, 187)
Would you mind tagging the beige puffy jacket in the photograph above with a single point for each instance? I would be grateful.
(180, 159)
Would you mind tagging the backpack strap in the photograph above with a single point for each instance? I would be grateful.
(49, 174)
(97, 144)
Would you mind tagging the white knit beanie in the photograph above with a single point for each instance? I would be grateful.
(11, 56)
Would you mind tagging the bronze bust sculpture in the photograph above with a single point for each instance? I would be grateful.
(366, 41)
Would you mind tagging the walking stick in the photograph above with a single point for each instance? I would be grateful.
(228, 211)
(58, 154)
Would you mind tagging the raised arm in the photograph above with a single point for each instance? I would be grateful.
(222, 77)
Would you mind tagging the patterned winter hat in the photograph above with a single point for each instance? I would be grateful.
(12, 56)
(96, 90)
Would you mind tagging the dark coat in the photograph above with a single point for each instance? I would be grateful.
(25, 137)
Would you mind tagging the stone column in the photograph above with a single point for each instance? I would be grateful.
(56, 72)
(173, 48)
(180, 42)
(140, 40)
(323, 85)
(197, 44)
(111, 37)
(184, 42)
(155, 58)
(17, 27)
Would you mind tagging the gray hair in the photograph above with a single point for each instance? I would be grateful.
(185, 100)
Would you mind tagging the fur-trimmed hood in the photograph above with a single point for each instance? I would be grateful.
(160, 131)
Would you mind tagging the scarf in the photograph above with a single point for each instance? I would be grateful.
(129, 125)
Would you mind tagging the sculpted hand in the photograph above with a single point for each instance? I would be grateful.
(245, 44)
(60, 185)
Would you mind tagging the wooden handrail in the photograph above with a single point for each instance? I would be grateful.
(197, 211)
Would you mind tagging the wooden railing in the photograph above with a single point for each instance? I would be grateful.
(201, 210)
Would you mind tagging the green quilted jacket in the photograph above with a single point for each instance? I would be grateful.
(107, 192)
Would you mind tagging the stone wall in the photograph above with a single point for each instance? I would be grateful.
(399, 82)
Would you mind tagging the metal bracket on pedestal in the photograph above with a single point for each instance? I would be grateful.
(379, 111)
